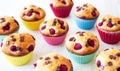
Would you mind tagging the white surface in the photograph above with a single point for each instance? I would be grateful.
(13, 8)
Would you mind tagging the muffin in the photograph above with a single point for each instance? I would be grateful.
(8, 25)
(53, 62)
(85, 16)
(61, 8)
(108, 28)
(54, 30)
(18, 48)
(32, 16)
(81, 46)
(108, 60)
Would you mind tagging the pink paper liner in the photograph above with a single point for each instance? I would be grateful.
(109, 37)
(55, 40)
(61, 11)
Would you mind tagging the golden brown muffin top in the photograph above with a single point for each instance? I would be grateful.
(18, 44)
(61, 3)
(82, 43)
(8, 25)
(86, 11)
(32, 13)
(53, 62)
(109, 23)
(54, 27)
(108, 60)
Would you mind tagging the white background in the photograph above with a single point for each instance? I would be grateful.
(13, 8)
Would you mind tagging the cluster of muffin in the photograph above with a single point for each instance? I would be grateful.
(81, 46)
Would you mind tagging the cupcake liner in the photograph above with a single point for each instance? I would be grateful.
(55, 40)
(84, 24)
(32, 25)
(79, 58)
(109, 37)
(20, 60)
(61, 11)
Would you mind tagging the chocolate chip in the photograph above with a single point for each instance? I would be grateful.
(54, 22)
(45, 22)
(62, 27)
(36, 19)
(60, 22)
(85, 5)
(22, 39)
(103, 20)
(2, 20)
(82, 8)
(13, 39)
(47, 58)
(80, 33)
(56, 57)
(47, 62)
(12, 36)
(40, 58)
(118, 54)
(112, 57)
(25, 8)
(110, 64)
(37, 12)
